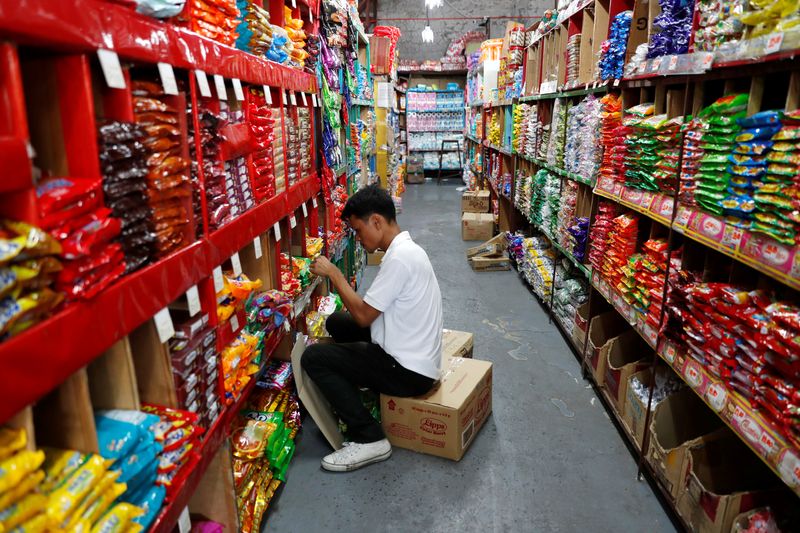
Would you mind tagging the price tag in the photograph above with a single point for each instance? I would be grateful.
(774, 43)
(314, 100)
(673, 63)
(294, 4)
(277, 229)
(305, 210)
(184, 522)
(314, 201)
(193, 297)
(234, 323)
(283, 94)
(292, 98)
(789, 467)
(237, 89)
(268, 94)
(167, 76)
(164, 325)
(237, 264)
(616, 83)
(257, 247)
(219, 84)
(310, 16)
(202, 83)
(218, 283)
(112, 70)
(717, 396)
(292, 222)
(303, 97)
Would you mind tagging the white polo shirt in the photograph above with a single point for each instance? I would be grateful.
(407, 294)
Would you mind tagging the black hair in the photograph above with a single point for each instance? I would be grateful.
(368, 201)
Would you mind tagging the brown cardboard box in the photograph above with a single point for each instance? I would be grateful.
(415, 177)
(723, 479)
(602, 328)
(633, 414)
(475, 202)
(679, 422)
(477, 226)
(493, 247)
(444, 421)
(456, 344)
(375, 258)
(625, 355)
(581, 325)
(490, 264)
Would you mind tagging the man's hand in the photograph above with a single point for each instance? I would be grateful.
(323, 267)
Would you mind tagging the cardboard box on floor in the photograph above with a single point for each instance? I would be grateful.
(375, 258)
(581, 325)
(624, 355)
(490, 264)
(634, 411)
(475, 202)
(723, 479)
(477, 226)
(456, 344)
(603, 328)
(495, 246)
(679, 422)
(443, 422)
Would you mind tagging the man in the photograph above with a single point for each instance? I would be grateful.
(391, 340)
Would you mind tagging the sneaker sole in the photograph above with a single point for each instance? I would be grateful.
(355, 466)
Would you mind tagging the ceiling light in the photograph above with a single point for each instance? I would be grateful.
(432, 4)
(427, 35)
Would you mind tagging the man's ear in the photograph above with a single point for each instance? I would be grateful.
(377, 220)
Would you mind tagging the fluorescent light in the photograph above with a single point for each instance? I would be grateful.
(427, 35)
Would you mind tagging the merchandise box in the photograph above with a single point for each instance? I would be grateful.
(624, 355)
(634, 411)
(477, 226)
(475, 202)
(415, 176)
(581, 325)
(490, 264)
(680, 421)
(723, 479)
(375, 258)
(603, 328)
(443, 422)
(495, 246)
(456, 344)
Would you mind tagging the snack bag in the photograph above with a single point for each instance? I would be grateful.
(11, 441)
(117, 519)
(70, 493)
(16, 467)
(29, 506)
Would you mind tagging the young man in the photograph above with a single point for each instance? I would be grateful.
(391, 340)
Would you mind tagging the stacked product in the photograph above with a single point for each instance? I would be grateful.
(652, 152)
(494, 134)
(522, 193)
(639, 146)
(558, 128)
(612, 60)
(237, 183)
(692, 154)
(520, 129)
(613, 139)
(294, 29)
(215, 19)
(745, 339)
(537, 265)
(262, 120)
(195, 368)
(718, 23)
(254, 30)
(570, 294)
(220, 211)
(281, 48)
(293, 149)
(573, 58)
(566, 213)
(534, 137)
(598, 239)
(289, 282)
(26, 277)
(621, 245)
(544, 142)
(304, 129)
(583, 151)
(652, 277)
(579, 235)
(123, 164)
(552, 205)
(675, 26)
(169, 192)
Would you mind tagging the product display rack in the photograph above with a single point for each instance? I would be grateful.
(443, 147)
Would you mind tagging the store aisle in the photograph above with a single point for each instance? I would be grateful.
(548, 458)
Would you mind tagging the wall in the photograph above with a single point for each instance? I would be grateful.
(444, 31)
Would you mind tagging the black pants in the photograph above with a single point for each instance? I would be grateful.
(340, 369)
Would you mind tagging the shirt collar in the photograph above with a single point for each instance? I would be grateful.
(400, 237)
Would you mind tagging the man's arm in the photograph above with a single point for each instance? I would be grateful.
(363, 313)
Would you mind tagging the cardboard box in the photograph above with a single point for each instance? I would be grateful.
(581, 325)
(375, 258)
(415, 177)
(475, 202)
(443, 422)
(723, 479)
(624, 355)
(603, 328)
(456, 344)
(634, 411)
(477, 226)
(495, 246)
(679, 422)
(490, 264)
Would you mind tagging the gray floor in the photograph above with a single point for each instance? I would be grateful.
(548, 459)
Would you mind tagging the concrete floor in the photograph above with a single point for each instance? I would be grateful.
(548, 458)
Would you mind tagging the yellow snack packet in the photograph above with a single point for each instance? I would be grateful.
(59, 465)
(69, 494)
(37, 524)
(133, 527)
(23, 487)
(117, 519)
(97, 491)
(11, 441)
(101, 504)
(26, 508)
(16, 467)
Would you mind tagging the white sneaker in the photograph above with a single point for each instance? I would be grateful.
(354, 455)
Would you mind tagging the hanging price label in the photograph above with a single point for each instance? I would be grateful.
(219, 84)
(314, 202)
(616, 83)
(202, 83)
(293, 98)
(218, 283)
(237, 264)
(237, 89)
(283, 94)
(314, 100)
(112, 69)
(193, 297)
(184, 522)
(167, 76)
(268, 94)
(673, 63)
(277, 229)
(234, 323)
(310, 16)
(303, 97)
(305, 210)
(774, 43)
(164, 325)
(294, 4)
(292, 222)
(257, 247)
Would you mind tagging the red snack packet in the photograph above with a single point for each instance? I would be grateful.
(88, 239)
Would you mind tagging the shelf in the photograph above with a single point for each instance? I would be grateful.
(503, 151)
(302, 301)
(653, 205)
(434, 150)
(454, 72)
(39, 359)
(595, 88)
(457, 109)
(555, 170)
(88, 25)
(362, 103)
(499, 103)
(649, 334)
(459, 130)
(476, 103)
(473, 139)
